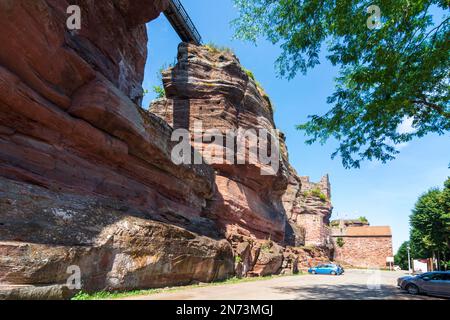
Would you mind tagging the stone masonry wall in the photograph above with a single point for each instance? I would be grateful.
(363, 251)
(323, 185)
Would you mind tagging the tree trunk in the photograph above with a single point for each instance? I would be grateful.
(438, 261)
(433, 260)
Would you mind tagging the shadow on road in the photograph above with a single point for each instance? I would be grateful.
(348, 292)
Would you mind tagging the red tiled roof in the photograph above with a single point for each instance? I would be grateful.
(368, 231)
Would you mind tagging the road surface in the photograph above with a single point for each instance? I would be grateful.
(354, 284)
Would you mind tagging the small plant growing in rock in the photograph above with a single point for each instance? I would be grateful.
(267, 246)
(363, 219)
(258, 84)
(334, 223)
(214, 48)
(237, 259)
(249, 73)
(159, 91)
(340, 242)
(319, 194)
(316, 193)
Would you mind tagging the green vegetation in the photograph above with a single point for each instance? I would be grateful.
(334, 223)
(249, 73)
(260, 87)
(430, 229)
(363, 219)
(237, 259)
(395, 72)
(159, 91)
(316, 193)
(401, 257)
(102, 295)
(258, 84)
(267, 246)
(215, 49)
(430, 225)
(340, 242)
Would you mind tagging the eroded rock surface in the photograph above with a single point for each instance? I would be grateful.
(260, 214)
(86, 176)
(210, 86)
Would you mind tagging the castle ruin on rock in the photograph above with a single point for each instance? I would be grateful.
(86, 175)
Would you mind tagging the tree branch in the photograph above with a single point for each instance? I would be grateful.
(439, 109)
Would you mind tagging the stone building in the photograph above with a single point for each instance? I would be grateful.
(309, 213)
(316, 211)
(358, 244)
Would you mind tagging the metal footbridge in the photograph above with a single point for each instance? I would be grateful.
(182, 23)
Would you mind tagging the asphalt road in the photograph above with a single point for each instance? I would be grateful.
(354, 284)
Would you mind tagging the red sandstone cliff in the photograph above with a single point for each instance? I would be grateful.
(86, 176)
(255, 211)
(211, 87)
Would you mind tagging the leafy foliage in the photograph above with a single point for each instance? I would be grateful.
(430, 224)
(340, 242)
(316, 193)
(363, 219)
(401, 257)
(395, 73)
(159, 91)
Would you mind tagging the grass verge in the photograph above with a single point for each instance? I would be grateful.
(105, 295)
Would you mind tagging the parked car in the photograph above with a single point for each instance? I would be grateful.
(329, 268)
(433, 283)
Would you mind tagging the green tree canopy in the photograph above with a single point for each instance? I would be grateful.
(396, 72)
(430, 224)
(401, 257)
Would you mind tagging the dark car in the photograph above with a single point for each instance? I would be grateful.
(433, 283)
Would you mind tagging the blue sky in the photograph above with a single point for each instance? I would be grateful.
(384, 193)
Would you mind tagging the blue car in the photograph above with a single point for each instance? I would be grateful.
(330, 268)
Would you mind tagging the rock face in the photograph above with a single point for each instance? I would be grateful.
(86, 176)
(211, 87)
(258, 213)
(88, 179)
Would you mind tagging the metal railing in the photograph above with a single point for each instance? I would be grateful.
(177, 11)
